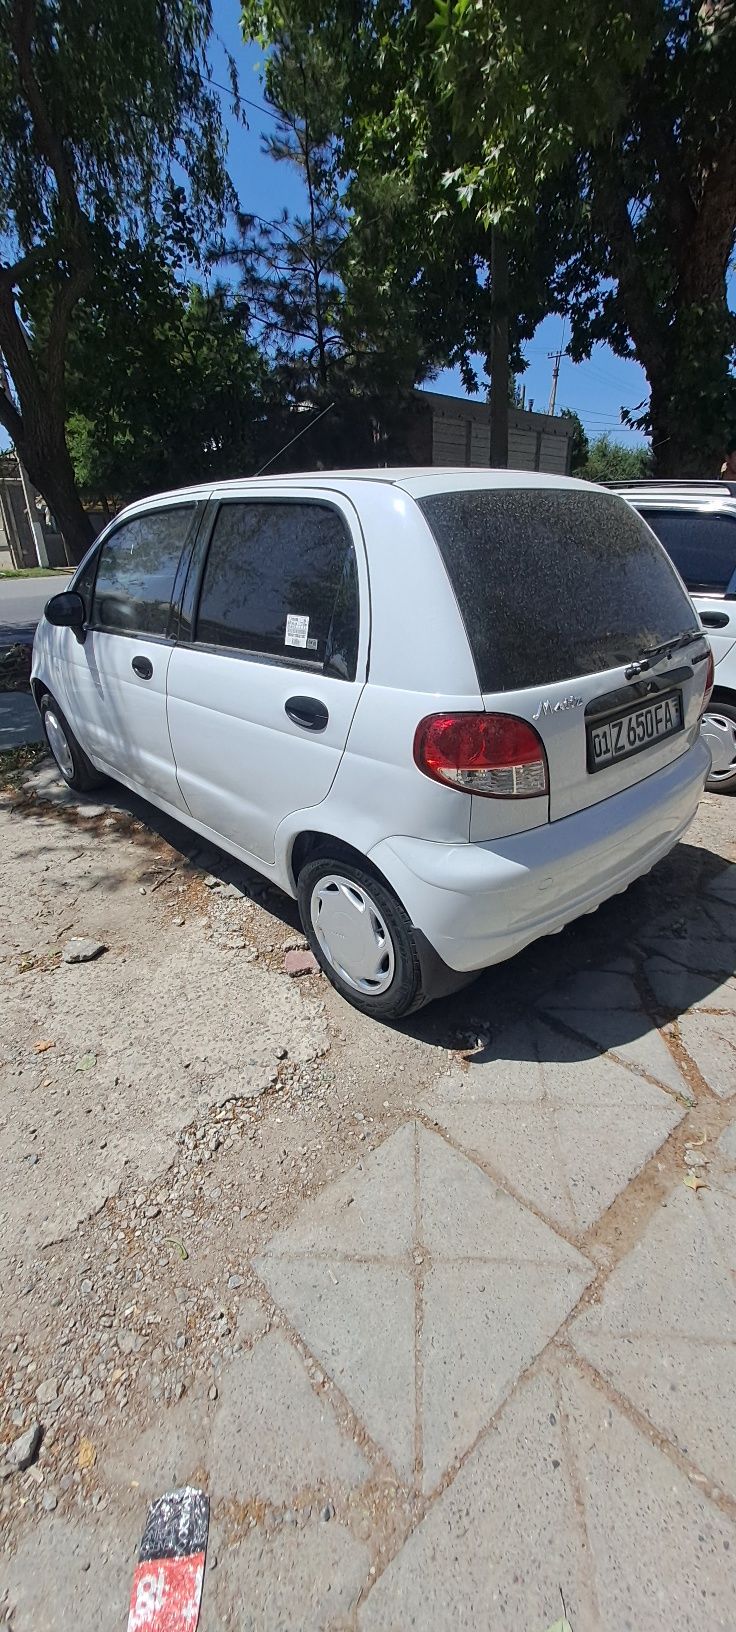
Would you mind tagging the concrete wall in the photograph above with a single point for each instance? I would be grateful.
(461, 435)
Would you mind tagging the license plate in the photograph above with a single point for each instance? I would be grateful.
(629, 733)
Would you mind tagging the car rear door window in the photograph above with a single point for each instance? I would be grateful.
(281, 581)
(702, 546)
(554, 583)
(136, 572)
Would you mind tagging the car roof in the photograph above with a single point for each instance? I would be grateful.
(418, 480)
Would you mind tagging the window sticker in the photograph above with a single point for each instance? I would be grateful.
(297, 630)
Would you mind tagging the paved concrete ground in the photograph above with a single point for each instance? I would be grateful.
(22, 601)
(430, 1311)
(19, 720)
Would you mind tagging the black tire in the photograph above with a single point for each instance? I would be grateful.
(726, 781)
(405, 992)
(78, 771)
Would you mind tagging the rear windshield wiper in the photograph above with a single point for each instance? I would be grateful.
(653, 652)
(674, 645)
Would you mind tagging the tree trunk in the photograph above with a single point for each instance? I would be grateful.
(50, 468)
(692, 408)
(500, 352)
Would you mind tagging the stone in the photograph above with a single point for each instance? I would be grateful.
(301, 963)
(47, 1391)
(24, 1450)
(563, 1492)
(82, 949)
(49, 1501)
(566, 1129)
(234, 1281)
(497, 1285)
(664, 1338)
(727, 1144)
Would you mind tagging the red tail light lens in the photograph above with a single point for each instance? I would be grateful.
(495, 755)
(710, 675)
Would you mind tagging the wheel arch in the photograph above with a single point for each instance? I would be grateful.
(311, 843)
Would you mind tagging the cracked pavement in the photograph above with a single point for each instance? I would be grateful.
(429, 1311)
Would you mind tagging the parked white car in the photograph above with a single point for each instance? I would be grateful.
(448, 711)
(696, 522)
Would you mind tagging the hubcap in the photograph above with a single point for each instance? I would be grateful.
(352, 934)
(58, 744)
(726, 728)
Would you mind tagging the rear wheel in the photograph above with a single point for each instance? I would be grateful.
(722, 716)
(71, 761)
(361, 936)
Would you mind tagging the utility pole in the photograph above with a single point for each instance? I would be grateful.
(34, 520)
(500, 350)
(556, 358)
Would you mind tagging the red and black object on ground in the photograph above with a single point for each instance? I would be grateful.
(167, 1585)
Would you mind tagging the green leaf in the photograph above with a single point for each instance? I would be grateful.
(86, 1063)
(560, 1626)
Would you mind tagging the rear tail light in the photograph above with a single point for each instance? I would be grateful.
(710, 675)
(495, 755)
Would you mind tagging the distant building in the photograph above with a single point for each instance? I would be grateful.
(456, 431)
(17, 545)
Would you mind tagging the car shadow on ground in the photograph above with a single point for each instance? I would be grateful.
(641, 960)
(669, 944)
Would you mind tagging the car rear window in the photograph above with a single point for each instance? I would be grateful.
(702, 546)
(554, 583)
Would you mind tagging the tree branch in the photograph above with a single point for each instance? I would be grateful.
(23, 19)
(10, 275)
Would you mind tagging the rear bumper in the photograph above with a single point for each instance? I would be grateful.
(480, 903)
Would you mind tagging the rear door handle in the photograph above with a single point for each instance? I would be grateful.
(309, 712)
(143, 667)
(715, 620)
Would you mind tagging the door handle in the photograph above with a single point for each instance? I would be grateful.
(143, 667)
(308, 712)
(715, 620)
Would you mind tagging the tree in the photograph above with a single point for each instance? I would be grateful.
(600, 136)
(289, 266)
(106, 125)
(610, 461)
(164, 385)
(580, 444)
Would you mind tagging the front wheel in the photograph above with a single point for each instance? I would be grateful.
(361, 937)
(722, 717)
(71, 761)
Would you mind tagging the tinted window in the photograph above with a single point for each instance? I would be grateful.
(135, 577)
(553, 584)
(281, 579)
(702, 547)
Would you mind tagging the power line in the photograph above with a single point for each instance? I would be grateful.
(246, 101)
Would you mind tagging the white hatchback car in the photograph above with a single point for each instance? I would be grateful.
(696, 522)
(448, 711)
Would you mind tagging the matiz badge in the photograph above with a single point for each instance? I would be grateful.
(557, 708)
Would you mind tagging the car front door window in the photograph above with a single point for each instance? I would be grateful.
(136, 573)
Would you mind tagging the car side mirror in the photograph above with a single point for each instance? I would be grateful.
(67, 611)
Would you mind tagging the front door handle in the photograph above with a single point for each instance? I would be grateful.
(308, 712)
(143, 667)
(715, 620)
